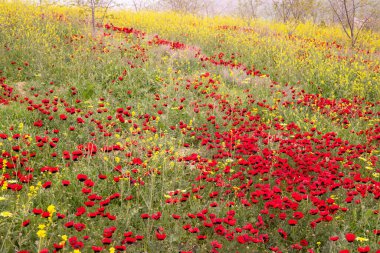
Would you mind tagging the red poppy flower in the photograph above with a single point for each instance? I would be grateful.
(63, 117)
(282, 233)
(46, 185)
(89, 203)
(25, 223)
(65, 182)
(38, 123)
(97, 248)
(215, 244)
(101, 176)
(156, 216)
(176, 216)
(69, 224)
(130, 197)
(298, 215)
(16, 148)
(129, 240)
(350, 237)
(144, 216)
(82, 177)
(89, 183)
(194, 230)
(128, 234)
(61, 216)
(139, 237)
(296, 246)
(80, 210)
(136, 161)
(58, 246)
(120, 247)
(364, 249)
(160, 235)
(45, 214)
(80, 120)
(37, 211)
(106, 240)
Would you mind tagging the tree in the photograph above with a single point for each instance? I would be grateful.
(80, 2)
(247, 9)
(207, 7)
(282, 9)
(185, 6)
(297, 10)
(139, 5)
(354, 15)
(94, 5)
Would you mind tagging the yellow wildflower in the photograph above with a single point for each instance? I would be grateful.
(41, 233)
(361, 239)
(6, 214)
(5, 186)
(51, 209)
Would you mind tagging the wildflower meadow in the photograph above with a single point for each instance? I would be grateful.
(167, 132)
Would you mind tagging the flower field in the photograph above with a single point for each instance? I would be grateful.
(174, 133)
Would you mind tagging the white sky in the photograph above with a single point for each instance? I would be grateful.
(220, 6)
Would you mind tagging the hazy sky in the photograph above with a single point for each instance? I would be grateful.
(217, 3)
(220, 6)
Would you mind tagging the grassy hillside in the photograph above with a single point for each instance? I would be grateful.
(172, 133)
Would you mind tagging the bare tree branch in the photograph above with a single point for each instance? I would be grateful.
(357, 12)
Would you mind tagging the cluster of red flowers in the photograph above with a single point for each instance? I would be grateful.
(258, 182)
